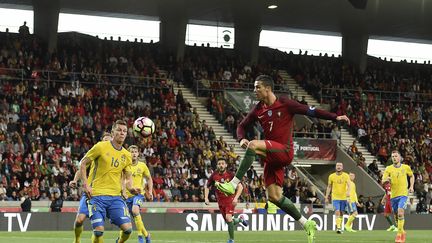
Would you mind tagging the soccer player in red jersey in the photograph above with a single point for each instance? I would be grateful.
(226, 203)
(387, 207)
(275, 115)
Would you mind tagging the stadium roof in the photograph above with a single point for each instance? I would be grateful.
(390, 18)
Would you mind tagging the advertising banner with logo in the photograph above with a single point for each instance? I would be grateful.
(10, 222)
(315, 149)
(243, 101)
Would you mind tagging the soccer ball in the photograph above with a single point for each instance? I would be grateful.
(143, 126)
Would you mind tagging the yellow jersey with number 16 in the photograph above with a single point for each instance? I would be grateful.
(108, 166)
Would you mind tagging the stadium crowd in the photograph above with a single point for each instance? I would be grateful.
(50, 119)
(389, 107)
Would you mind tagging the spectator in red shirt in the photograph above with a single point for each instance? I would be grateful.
(79, 109)
(157, 180)
(173, 142)
(159, 193)
(391, 131)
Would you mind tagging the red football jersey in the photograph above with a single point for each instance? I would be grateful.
(387, 188)
(277, 119)
(224, 177)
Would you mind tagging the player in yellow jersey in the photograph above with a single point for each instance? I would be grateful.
(134, 202)
(104, 184)
(396, 174)
(339, 186)
(352, 204)
(83, 212)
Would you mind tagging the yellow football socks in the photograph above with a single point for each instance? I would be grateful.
(78, 230)
(339, 222)
(350, 220)
(140, 226)
(400, 224)
(124, 237)
(97, 239)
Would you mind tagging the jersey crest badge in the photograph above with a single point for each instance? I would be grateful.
(269, 113)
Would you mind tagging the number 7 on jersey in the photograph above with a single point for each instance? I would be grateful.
(271, 125)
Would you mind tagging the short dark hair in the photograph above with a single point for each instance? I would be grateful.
(266, 80)
(395, 151)
(118, 122)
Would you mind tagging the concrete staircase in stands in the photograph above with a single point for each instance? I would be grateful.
(218, 128)
(346, 138)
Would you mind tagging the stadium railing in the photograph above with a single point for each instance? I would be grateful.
(203, 86)
(321, 135)
(17, 75)
(349, 94)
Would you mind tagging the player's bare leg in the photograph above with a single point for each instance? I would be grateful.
(253, 148)
(275, 196)
(78, 227)
(126, 231)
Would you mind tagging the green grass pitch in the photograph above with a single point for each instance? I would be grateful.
(417, 236)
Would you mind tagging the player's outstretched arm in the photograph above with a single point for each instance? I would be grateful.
(210, 182)
(296, 108)
(83, 166)
(348, 191)
(123, 187)
(239, 191)
(328, 191)
(383, 199)
(241, 128)
(129, 184)
(386, 177)
(149, 186)
(206, 192)
(411, 188)
(343, 118)
(77, 176)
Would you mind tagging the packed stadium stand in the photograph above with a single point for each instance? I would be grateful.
(389, 107)
(55, 107)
